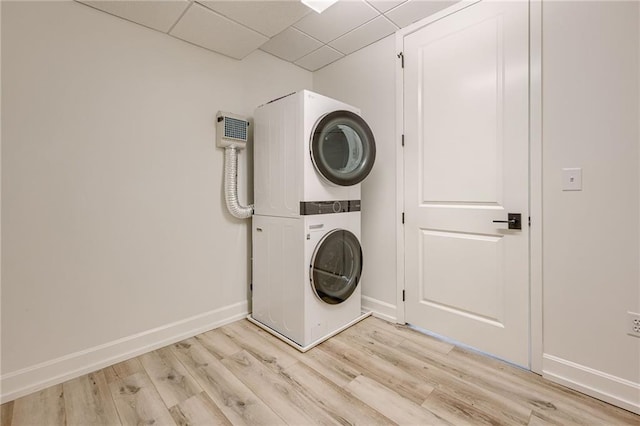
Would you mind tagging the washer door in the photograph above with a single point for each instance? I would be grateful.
(343, 149)
(336, 266)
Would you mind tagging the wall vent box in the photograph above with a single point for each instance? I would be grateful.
(231, 130)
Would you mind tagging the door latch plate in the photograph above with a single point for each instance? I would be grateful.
(515, 220)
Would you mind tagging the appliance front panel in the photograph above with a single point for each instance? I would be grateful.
(322, 318)
(343, 148)
(336, 266)
(284, 172)
(279, 274)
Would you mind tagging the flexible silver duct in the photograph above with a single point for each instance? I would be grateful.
(231, 185)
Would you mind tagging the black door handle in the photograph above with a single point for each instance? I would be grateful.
(513, 219)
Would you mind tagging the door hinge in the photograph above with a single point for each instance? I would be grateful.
(403, 295)
(403, 217)
(402, 140)
(251, 287)
(401, 56)
(529, 220)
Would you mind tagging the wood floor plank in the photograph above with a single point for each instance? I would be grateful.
(458, 412)
(123, 369)
(476, 376)
(330, 367)
(247, 326)
(290, 402)
(541, 420)
(392, 376)
(169, 376)
(238, 403)
(429, 343)
(340, 404)
(318, 363)
(45, 407)
(138, 402)
(369, 330)
(375, 349)
(267, 349)
(565, 397)
(237, 367)
(6, 413)
(88, 401)
(339, 372)
(392, 405)
(531, 397)
(199, 410)
(546, 395)
(495, 405)
(218, 343)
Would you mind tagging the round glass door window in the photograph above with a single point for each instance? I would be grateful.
(343, 149)
(336, 266)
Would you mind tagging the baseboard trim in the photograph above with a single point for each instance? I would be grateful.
(614, 390)
(49, 373)
(380, 309)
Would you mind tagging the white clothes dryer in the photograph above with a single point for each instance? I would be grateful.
(306, 276)
(308, 148)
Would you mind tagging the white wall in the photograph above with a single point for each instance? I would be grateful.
(116, 237)
(366, 79)
(591, 256)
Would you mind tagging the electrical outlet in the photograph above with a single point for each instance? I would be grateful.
(633, 327)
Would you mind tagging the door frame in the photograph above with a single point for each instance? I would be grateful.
(535, 171)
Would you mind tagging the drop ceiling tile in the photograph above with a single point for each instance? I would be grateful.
(268, 17)
(205, 28)
(337, 20)
(157, 14)
(319, 58)
(364, 35)
(291, 45)
(384, 5)
(415, 10)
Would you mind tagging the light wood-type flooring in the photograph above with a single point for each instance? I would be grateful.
(373, 373)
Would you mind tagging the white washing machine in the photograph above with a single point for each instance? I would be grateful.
(306, 275)
(308, 148)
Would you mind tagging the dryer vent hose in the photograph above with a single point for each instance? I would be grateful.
(231, 185)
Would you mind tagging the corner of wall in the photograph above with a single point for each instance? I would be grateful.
(380, 309)
(350, 79)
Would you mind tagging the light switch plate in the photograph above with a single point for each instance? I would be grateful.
(572, 179)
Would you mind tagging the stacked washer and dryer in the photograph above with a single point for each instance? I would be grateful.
(310, 155)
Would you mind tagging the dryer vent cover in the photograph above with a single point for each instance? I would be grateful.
(231, 130)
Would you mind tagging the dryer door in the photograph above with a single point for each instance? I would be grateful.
(336, 266)
(343, 148)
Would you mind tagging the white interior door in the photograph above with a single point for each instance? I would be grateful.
(466, 166)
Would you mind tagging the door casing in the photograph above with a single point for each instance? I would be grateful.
(535, 174)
